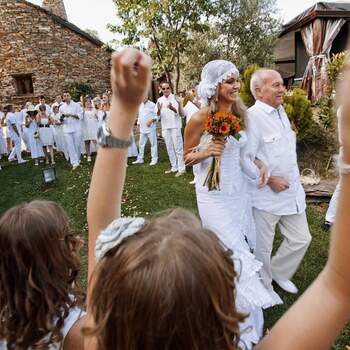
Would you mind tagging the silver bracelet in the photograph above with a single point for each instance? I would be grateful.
(343, 167)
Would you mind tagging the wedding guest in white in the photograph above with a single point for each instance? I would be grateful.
(14, 134)
(46, 133)
(147, 121)
(58, 102)
(58, 134)
(90, 126)
(189, 110)
(42, 102)
(332, 208)
(101, 114)
(3, 121)
(71, 116)
(3, 145)
(272, 140)
(34, 142)
(168, 109)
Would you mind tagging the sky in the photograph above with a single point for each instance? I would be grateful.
(96, 14)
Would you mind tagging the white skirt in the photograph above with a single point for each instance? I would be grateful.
(90, 126)
(228, 217)
(3, 146)
(46, 136)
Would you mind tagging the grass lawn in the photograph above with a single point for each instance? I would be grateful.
(148, 191)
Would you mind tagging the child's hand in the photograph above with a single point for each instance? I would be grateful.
(130, 77)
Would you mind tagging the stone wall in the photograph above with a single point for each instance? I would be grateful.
(32, 41)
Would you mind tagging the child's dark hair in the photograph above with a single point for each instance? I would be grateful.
(39, 265)
(169, 286)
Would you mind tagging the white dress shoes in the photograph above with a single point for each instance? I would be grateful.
(288, 286)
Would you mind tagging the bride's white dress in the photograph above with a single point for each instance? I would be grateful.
(228, 213)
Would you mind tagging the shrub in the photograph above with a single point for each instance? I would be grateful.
(80, 88)
(246, 95)
(298, 109)
(334, 66)
(326, 112)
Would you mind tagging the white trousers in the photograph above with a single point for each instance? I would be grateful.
(332, 209)
(174, 146)
(152, 137)
(73, 143)
(297, 238)
(16, 150)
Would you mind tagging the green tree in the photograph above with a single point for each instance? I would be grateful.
(163, 27)
(80, 88)
(246, 94)
(248, 31)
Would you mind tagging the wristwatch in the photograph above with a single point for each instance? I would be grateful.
(106, 139)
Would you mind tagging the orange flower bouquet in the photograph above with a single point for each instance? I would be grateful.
(220, 125)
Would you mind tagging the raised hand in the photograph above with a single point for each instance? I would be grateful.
(130, 77)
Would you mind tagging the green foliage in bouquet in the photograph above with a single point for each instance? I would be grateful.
(334, 67)
(298, 109)
(326, 112)
(246, 95)
(80, 88)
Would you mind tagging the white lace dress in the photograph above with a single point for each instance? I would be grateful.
(228, 213)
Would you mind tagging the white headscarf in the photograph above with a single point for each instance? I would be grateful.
(214, 73)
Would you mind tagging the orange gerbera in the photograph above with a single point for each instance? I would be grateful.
(225, 128)
(208, 123)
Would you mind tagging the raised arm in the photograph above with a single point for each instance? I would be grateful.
(130, 79)
(314, 321)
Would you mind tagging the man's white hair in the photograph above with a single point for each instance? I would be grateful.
(258, 79)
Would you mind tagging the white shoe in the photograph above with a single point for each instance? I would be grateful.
(22, 161)
(172, 170)
(154, 162)
(193, 182)
(288, 286)
(180, 173)
(75, 167)
(89, 159)
(137, 161)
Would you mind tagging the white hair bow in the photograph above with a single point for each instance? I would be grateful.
(115, 233)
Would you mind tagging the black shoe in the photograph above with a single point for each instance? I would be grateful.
(327, 226)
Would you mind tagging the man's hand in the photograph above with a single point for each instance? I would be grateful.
(130, 77)
(150, 122)
(170, 106)
(264, 176)
(278, 184)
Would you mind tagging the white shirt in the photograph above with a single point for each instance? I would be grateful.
(146, 112)
(71, 124)
(48, 108)
(271, 139)
(189, 110)
(168, 118)
(10, 121)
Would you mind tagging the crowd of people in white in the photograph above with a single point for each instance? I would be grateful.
(70, 128)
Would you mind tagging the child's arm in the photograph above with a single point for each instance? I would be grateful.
(130, 79)
(314, 321)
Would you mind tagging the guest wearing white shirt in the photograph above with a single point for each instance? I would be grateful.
(72, 128)
(58, 102)
(272, 140)
(43, 102)
(168, 109)
(12, 129)
(147, 121)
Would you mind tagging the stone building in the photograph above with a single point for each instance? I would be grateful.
(41, 53)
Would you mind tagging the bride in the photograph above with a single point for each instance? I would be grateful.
(228, 211)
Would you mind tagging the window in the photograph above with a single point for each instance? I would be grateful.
(24, 84)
